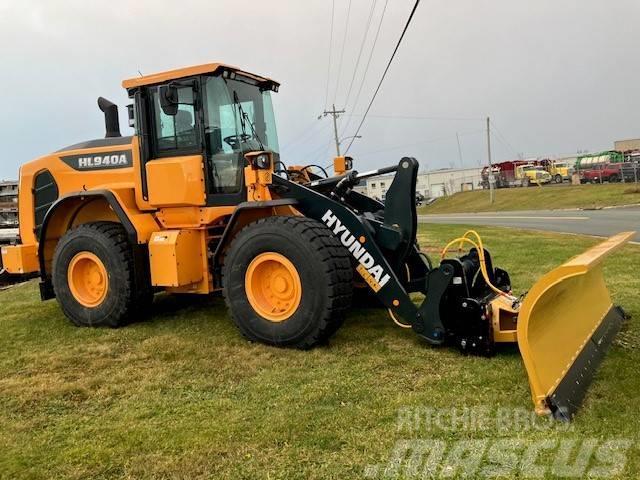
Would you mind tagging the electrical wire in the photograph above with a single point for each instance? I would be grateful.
(432, 140)
(419, 117)
(384, 74)
(344, 43)
(366, 68)
(364, 38)
(326, 94)
(304, 134)
(396, 321)
(501, 138)
(393, 317)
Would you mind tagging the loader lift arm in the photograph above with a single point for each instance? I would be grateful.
(381, 246)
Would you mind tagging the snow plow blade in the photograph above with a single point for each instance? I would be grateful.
(565, 325)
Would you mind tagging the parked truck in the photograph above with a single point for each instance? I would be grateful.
(588, 161)
(560, 171)
(515, 173)
(606, 172)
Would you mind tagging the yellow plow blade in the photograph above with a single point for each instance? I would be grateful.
(565, 324)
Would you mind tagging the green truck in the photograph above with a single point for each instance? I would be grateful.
(591, 159)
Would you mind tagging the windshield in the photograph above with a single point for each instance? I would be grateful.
(239, 119)
(242, 113)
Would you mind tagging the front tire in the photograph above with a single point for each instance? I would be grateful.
(93, 276)
(287, 282)
(558, 178)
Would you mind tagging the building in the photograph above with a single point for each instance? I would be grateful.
(432, 184)
(8, 204)
(626, 145)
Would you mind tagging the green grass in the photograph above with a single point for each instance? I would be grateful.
(537, 198)
(184, 396)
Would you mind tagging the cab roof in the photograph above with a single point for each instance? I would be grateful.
(161, 77)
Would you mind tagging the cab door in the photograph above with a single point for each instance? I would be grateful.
(175, 171)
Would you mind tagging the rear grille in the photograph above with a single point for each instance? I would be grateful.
(45, 193)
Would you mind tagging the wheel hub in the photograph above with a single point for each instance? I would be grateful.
(273, 286)
(88, 279)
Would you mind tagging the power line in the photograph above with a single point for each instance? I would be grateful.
(366, 68)
(384, 74)
(303, 135)
(503, 139)
(495, 136)
(422, 142)
(319, 149)
(418, 117)
(344, 42)
(326, 95)
(364, 38)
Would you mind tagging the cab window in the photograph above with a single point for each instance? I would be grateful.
(175, 132)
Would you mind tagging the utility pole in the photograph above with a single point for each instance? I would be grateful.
(459, 150)
(335, 114)
(492, 179)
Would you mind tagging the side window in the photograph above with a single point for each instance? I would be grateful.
(177, 132)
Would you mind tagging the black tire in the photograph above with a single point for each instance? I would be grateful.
(325, 272)
(614, 178)
(558, 178)
(124, 301)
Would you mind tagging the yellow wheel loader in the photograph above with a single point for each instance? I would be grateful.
(198, 201)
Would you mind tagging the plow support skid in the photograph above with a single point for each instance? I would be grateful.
(566, 323)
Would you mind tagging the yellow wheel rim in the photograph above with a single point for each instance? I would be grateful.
(273, 286)
(88, 280)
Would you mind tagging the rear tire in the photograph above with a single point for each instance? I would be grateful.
(308, 256)
(93, 277)
(558, 178)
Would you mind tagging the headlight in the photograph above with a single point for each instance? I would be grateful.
(262, 161)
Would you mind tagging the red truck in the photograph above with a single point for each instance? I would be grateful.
(608, 172)
(504, 173)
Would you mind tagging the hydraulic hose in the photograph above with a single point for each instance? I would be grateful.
(480, 249)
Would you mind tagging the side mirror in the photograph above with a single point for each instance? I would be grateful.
(131, 115)
(169, 99)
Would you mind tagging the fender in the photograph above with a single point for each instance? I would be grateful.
(139, 251)
(241, 209)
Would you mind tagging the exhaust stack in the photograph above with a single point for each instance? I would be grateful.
(111, 121)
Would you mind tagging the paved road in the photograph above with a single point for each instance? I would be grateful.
(602, 223)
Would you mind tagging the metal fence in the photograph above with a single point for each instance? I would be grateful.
(630, 172)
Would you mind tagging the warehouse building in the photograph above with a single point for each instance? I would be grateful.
(627, 145)
(431, 184)
(8, 204)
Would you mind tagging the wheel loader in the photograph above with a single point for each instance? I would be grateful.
(198, 201)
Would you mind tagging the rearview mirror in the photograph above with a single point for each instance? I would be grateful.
(169, 99)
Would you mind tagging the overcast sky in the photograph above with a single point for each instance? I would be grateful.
(555, 76)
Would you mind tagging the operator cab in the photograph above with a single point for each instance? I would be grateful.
(215, 111)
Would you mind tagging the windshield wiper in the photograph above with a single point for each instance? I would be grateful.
(245, 118)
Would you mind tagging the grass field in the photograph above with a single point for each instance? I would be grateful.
(184, 396)
(537, 198)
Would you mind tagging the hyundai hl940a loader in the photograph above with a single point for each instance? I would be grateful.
(198, 201)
